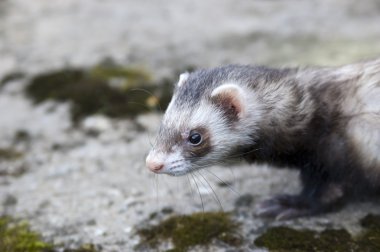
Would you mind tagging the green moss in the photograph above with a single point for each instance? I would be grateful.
(186, 231)
(94, 91)
(9, 154)
(370, 239)
(11, 77)
(288, 239)
(371, 222)
(129, 77)
(83, 248)
(21, 136)
(17, 237)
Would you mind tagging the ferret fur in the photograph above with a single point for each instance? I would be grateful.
(324, 121)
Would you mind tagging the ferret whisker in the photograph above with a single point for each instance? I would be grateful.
(199, 192)
(151, 94)
(141, 104)
(156, 181)
(233, 174)
(213, 191)
(150, 140)
(212, 162)
(191, 188)
(230, 187)
(170, 190)
(205, 166)
(148, 109)
(201, 182)
(237, 155)
(224, 182)
(244, 153)
(177, 161)
(216, 162)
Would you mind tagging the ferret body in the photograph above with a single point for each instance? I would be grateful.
(323, 121)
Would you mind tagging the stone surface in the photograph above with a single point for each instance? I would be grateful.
(93, 188)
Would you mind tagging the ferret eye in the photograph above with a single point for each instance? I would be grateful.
(195, 138)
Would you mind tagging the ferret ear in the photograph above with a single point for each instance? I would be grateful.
(230, 97)
(182, 78)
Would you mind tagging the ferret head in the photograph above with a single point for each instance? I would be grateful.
(204, 124)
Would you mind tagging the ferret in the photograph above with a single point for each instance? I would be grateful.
(324, 121)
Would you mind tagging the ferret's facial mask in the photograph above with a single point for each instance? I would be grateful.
(191, 138)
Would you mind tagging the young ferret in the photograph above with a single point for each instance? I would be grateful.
(324, 121)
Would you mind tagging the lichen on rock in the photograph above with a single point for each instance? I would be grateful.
(186, 231)
(116, 92)
(16, 236)
(7, 154)
(330, 240)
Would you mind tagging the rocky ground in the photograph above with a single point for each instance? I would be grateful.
(86, 183)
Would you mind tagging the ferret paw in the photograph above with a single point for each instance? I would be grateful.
(284, 207)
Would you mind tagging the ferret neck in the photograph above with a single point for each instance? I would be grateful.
(287, 111)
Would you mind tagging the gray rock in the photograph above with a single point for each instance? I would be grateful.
(97, 188)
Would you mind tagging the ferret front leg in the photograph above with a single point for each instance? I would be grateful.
(314, 199)
(283, 207)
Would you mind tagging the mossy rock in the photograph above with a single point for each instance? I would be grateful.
(288, 239)
(11, 77)
(370, 239)
(9, 154)
(83, 248)
(17, 237)
(21, 136)
(130, 77)
(371, 221)
(186, 231)
(92, 92)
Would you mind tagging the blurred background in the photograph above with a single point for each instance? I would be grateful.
(83, 85)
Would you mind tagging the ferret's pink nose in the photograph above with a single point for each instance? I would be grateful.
(153, 165)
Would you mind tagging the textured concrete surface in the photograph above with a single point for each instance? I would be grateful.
(79, 188)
